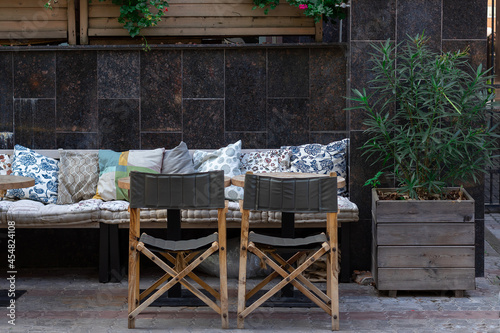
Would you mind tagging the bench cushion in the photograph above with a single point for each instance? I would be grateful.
(29, 213)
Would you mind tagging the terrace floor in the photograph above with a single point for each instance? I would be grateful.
(74, 301)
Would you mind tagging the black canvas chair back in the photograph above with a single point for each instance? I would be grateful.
(177, 191)
(174, 192)
(289, 196)
(294, 195)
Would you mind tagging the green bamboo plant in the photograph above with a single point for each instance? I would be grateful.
(426, 117)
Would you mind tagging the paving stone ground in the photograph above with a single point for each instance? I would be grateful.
(74, 301)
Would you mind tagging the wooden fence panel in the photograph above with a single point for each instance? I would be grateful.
(28, 20)
(188, 18)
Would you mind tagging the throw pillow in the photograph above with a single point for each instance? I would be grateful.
(78, 176)
(178, 160)
(42, 168)
(266, 161)
(317, 158)
(226, 159)
(115, 165)
(5, 164)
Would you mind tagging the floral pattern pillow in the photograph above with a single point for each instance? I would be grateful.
(226, 159)
(265, 161)
(43, 169)
(5, 164)
(317, 158)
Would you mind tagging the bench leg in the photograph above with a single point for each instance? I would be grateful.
(103, 252)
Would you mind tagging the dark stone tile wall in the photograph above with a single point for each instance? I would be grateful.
(452, 26)
(123, 98)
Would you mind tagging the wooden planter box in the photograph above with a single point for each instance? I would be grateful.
(185, 18)
(29, 20)
(423, 245)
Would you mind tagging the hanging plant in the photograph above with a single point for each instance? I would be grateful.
(135, 14)
(330, 9)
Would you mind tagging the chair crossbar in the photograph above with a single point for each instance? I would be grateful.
(288, 278)
(301, 278)
(272, 276)
(177, 277)
(193, 276)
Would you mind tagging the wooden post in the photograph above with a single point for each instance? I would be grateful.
(71, 22)
(319, 31)
(242, 276)
(84, 22)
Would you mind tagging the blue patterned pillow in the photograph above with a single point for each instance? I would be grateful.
(317, 158)
(43, 169)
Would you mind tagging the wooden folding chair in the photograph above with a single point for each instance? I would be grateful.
(318, 194)
(175, 192)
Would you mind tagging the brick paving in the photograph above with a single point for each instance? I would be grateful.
(74, 301)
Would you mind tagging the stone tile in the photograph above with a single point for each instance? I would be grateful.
(245, 90)
(328, 78)
(205, 129)
(360, 76)
(72, 140)
(287, 122)
(160, 140)
(203, 74)
(119, 124)
(288, 73)
(373, 20)
(337, 31)
(327, 137)
(161, 91)
(29, 114)
(6, 93)
(118, 74)
(249, 140)
(477, 50)
(464, 21)
(415, 16)
(76, 91)
(34, 74)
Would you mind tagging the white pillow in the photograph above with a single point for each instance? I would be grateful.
(226, 159)
(43, 169)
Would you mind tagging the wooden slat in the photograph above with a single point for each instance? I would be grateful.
(425, 234)
(212, 22)
(29, 26)
(31, 3)
(194, 10)
(426, 279)
(33, 14)
(425, 256)
(14, 35)
(423, 210)
(207, 32)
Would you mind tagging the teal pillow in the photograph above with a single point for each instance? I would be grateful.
(115, 165)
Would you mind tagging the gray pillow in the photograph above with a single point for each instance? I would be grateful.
(178, 160)
(78, 176)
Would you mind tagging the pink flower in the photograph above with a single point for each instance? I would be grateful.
(303, 6)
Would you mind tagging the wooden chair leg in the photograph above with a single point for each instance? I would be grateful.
(224, 307)
(133, 265)
(333, 269)
(242, 276)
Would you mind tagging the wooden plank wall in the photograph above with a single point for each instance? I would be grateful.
(28, 20)
(202, 18)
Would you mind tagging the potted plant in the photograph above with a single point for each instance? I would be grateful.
(426, 120)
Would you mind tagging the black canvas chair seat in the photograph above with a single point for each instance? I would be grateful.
(289, 195)
(174, 192)
(158, 244)
(286, 242)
